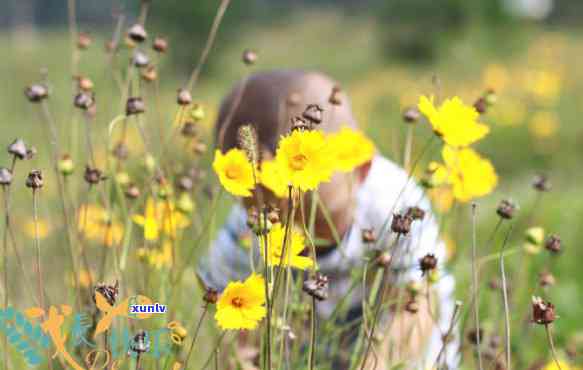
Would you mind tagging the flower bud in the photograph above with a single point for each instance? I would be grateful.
(18, 149)
(160, 44)
(132, 192)
(140, 59)
(249, 57)
(546, 279)
(368, 236)
(36, 92)
(5, 176)
(183, 97)
(149, 74)
(122, 178)
(416, 213)
(553, 243)
(84, 41)
(135, 105)
(93, 175)
(65, 165)
(211, 296)
(541, 183)
(506, 209)
(184, 183)
(481, 106)
(335, 96)
(428, 263)
(383, 259)
(185, 203)
(188, 129)
(85, 84)
(317, 287)
(137, 33)
(476, 336)
(121, 151)
(197, 112)
(401, 224)
(535, 235)
(35, 180)
(490, 97)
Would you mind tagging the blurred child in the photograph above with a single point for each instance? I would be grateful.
(359, 200)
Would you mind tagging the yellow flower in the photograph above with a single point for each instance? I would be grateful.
(350, 149)
(304, 159)
(275, 248)
(149, 221)
(44, 228)
(157, 258)
(235, 172)
(470, 175)
(96, 224)
(242, 304)
(271, 177)
(552, 365)
(170, 219)
(544, 124)
(456, 123)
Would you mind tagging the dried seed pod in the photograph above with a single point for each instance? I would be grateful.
(543, 313)
(401, 224)
(211, 296)
(121, 151)
(411, 115)
(109, 292)
(160, 44)
(249, 57)
(546, 279)
(5, 176)
(140, 59)
(317, 287)
(135, 105)
(35, 180)
(313, 114)
(84, 100)
(18, 149)
(416, 213)
(93, 175)
(36, 93)
(428, 263)
(335, 96)
(188, 129)
(84, 41)
(368, 236)
(140, 343)
(506, 209)
(541, 183)
(137, 33)
(553, 243)
(183, 97)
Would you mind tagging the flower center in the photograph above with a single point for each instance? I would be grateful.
(298, 162)
(237, 302)
(233, 173)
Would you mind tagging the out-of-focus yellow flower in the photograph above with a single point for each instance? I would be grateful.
(235, 172)
(350, 149)
(509, 113)
(535, 235)
(271, 177)
(552, 365)
(157, 257)
(495, 76)
(470, 175)
(84, 277)
(304, 158)
(97, 225)
(44, 228)
(149, 221)
(544, 124)
(456, 123)
(441, 198)
(291, 258)
(171, 220)
(543, 84)
(242, 304)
